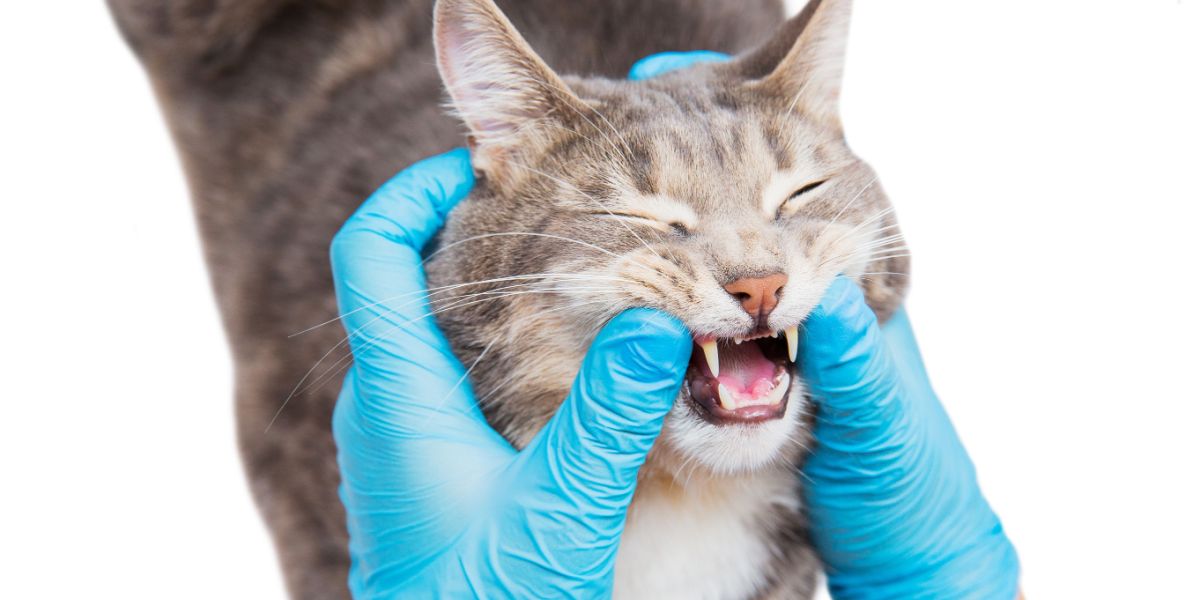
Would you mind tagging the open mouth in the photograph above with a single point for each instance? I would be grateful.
(744, 379)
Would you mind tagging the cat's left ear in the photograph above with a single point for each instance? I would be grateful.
(802, 63)
(501, 88)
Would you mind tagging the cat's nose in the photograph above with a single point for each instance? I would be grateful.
(758, 295)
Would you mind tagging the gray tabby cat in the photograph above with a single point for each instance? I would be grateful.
(724, 194)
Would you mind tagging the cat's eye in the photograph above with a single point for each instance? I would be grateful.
(798, 199)
(672, 227)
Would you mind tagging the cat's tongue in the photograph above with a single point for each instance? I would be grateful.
(745, 370)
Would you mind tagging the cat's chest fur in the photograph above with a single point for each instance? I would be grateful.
(713, 539)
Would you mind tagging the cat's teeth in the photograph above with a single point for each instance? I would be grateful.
(727, 398)
(738, 341)
(710, 355)
(793, 341)
(776, 395)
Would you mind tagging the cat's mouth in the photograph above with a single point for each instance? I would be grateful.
(742, 380)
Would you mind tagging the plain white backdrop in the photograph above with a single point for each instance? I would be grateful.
(1043, 158)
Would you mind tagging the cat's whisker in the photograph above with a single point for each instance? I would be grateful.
(296, 389)
(482, 401)
(344, 340)
(300, 388)
(847, 205)
(511, 233)
(889, 256)
(884, 241)
(505, 294)
(874, 255)
(439, 289)
(442, 403)
(344, 362)
(879, 215)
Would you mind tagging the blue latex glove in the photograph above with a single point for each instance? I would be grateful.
(895, 509)
(438, 504)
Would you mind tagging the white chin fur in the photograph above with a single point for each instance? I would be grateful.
(731, 449)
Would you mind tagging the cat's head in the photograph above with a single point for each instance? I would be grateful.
(723, 194)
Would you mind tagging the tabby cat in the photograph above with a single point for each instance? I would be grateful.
(724, 194)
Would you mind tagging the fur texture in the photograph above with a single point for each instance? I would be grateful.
(600, 193)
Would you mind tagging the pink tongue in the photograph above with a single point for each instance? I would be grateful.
(745, 371)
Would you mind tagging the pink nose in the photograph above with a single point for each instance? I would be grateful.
(758, 295)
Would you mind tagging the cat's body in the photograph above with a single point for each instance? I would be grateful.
(289, 113)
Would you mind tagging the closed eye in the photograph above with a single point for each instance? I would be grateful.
(673, 227)
(798, 199)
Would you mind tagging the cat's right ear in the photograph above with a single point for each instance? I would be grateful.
(501, 88)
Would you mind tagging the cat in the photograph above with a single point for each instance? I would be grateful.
(723, 193)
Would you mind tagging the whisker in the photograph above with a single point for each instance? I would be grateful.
(507, 233)
(847, 205)
(344, 362)
(442, 403)
(455, 286)
(902, 255)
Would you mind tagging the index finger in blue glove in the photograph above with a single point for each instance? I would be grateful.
(404, 369)
(665, 62)
(377, 254)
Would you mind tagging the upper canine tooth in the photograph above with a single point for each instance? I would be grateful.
(793, 342)
(710, 355)
(726, 398)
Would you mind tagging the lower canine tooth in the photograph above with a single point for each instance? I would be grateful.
(776, 395)
(793, 342)
(710, 355)
(726, 397)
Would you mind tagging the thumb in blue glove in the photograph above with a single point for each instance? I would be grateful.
(895, 508)
(438, 504)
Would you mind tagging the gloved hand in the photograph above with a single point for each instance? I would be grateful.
(895, 509)
(438, 504)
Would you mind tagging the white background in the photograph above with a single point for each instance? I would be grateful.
(1043, 157)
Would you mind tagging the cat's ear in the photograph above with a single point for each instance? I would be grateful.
(802, 63)
(500, 87)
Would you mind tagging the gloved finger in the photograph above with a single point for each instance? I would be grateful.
(377, 271)
(402, 363)
(665, 62)
(376, 256)
(845, 362)
(587, 457)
